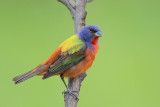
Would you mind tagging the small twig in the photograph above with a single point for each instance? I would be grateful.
(70, 5)
(83, 76)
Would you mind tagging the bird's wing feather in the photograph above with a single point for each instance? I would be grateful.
(73, 51)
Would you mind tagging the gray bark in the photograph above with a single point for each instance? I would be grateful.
(78, 12)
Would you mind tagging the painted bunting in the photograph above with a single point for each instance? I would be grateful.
(72, 58)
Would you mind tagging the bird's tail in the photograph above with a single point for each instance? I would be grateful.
(35, 71)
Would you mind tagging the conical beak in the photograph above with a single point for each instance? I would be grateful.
(98, 34)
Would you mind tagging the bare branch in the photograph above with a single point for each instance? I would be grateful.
(75, 83)
(79, 13)
(83, 76)
(70, 5)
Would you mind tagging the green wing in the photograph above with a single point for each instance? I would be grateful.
(73, 51)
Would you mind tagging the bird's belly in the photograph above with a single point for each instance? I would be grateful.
(81, 67)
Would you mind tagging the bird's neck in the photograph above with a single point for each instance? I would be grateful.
(93, 44)
(94, 40)
(90, 41)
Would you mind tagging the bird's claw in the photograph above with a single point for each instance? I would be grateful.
(71, 93)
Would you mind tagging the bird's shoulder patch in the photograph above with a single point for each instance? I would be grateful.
(72, 45)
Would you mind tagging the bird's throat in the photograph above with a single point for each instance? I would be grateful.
(94, 40)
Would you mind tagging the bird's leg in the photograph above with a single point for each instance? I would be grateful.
(62, 78)
(68, 91)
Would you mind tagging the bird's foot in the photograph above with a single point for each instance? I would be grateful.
(71, 93)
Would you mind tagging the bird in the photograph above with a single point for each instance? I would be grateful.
(72, 58)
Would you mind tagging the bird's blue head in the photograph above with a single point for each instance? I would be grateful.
(89, 32)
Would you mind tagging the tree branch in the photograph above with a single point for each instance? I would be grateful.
(70, 5)
(78, 13)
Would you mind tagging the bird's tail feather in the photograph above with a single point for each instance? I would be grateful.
(37, 70)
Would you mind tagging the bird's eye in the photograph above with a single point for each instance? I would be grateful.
(92, 30)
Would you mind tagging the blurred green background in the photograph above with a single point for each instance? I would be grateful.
(126, 72)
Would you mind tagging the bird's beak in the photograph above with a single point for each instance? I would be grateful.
(98, 34)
